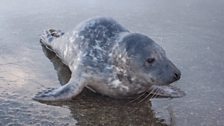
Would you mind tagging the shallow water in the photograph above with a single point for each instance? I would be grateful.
(190, 31)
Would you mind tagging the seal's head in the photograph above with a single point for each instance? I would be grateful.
(148, 62)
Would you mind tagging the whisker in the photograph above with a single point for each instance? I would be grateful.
(144, 98)
(152, 90)
(154, 93)
(137, 97)
(147, 95)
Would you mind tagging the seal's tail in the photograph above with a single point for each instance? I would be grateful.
(49, 35)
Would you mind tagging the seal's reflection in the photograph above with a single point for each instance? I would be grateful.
(93, 109)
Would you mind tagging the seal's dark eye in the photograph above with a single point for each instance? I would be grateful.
(150, 60)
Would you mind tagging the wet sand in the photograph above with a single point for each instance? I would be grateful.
(191, 32)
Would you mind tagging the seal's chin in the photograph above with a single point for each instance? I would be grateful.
(166, 91)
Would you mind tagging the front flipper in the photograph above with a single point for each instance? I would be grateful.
(166, 91)
(65, 92)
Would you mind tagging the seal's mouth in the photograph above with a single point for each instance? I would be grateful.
(168, 90)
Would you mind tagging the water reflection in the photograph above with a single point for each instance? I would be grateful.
(93, 109)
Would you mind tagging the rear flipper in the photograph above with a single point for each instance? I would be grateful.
(166, 91)
(49, 35)
(66, 92)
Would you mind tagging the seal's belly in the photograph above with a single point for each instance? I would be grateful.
(113, 89)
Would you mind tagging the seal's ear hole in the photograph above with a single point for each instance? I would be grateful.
(150, 60)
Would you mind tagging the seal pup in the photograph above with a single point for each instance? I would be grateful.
(106, 58)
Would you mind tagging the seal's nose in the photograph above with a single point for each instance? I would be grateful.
(177, 75)
(176, 72)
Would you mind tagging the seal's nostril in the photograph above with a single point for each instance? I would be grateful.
(176, 76)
